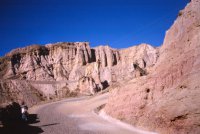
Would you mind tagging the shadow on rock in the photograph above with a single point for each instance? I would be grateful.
(105, 84)
(10, 121)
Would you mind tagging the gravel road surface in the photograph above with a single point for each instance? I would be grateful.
(76, 116)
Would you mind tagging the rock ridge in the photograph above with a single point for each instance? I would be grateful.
(75, 65)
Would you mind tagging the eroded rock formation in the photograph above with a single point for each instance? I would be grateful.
(18, 91)
(54, 67)
(158, 94)
(167, 99)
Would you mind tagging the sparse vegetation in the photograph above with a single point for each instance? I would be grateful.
(180, 13)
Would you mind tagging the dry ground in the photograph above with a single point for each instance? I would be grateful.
(76, 116)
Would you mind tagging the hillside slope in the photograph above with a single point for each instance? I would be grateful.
(167, 100)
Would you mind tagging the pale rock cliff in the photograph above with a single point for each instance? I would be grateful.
(74, 65)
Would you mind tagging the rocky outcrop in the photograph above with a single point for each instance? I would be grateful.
(49, 62)
(87, 85)
(18, 91)
(167, 99)
(70, 63)
(117, 65)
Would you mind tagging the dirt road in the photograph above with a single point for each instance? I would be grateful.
(76, 116)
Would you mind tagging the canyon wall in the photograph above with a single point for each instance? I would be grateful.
(167, 99)
(62, 68)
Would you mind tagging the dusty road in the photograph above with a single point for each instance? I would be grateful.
(76, 116)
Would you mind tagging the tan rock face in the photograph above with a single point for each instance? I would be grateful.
(117, 65)
(18, 91)
(167, 100)
(50, 62)
(71, 62)
(87, 86)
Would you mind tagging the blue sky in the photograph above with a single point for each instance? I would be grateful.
(118, 23)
